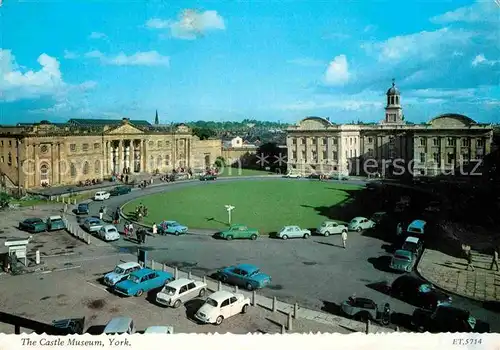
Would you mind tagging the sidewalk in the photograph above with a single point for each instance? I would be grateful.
(450, 274)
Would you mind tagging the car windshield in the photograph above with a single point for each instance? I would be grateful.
(211, 302)
(425, 288)
(254, 273)
(119, 270)
(325, 224)
(402, 257)
(409, 246)
(134, 279)
(169, 290)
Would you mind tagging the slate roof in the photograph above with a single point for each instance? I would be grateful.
(108, 122)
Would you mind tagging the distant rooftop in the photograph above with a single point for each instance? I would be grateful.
(108, 122)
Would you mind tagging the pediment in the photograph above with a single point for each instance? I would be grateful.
(125, 129)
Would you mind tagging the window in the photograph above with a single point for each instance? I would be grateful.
(451, 141)
(232, 300)
(85, 147)
(370, 152)
(86, 168)
(160, 144)
(450, 158)
(191, 285)
(10, 143)
(303, 154)
(313, 141)
(225, 303)
(1, 143)
(72, 147)
(167, 160)
(324, 155)
(303, 141)
(465, 156)
(294, 141)
(97, 166)
(325, 141)
(350, 152)
(422, 157)
(97, 145)
(335, 155)
(479, 155)
(44, 172)
(2, 159)
(346, 154)
(167, 143)
(355, 153)
(350, 140)
(9, 160)
(423, 142)
(480, 143)
(370, 140)
(73, 170)
(151, 143)
(159, 161)
(294, 154)
(436, 157)
(183, 289)
(181, 143)
(465, 142)
(435, 141)
(334, 141)
(314, 155)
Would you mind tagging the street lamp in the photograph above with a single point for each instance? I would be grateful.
(229, 209)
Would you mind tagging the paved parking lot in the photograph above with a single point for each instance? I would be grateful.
(77, 292)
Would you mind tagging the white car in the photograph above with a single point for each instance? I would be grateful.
(120, 273)
(177, 292)
(293, 175)
(108, 233)
(101, 195)
(360, 223)
(221, 305)
(159, 330)
(293, 232)
(331, 227)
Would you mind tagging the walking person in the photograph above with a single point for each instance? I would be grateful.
(469, 261)
(344, 239)
(125, 230)
(101, 213)
(131, 229)
(155, 228)
(494, 261)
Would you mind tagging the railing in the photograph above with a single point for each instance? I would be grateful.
(38, 327)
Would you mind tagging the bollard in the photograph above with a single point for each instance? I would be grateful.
(189, 275)
(74, 201)
(164, 267)
(368, 327)
(62, 200)
(37, 257)
(283, 330)
(397, 328)
(219, 286)
(57, 199)
(236, 289)
(176, 273)
(254, 298)
(275, 302)
(88, 239)
(295, 310)
(204, 279)
(290, 322)
(152, 264)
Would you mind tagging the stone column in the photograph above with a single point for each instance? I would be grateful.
(120, 156)
(53, 157)
(112, 157)
(458, 153)
(442, 151)
(36, 172)
(144, 159)
(126, 154)
(59, 180)
(473, 143)
(132, 156)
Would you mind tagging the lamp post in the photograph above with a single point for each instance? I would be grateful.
(229, 209)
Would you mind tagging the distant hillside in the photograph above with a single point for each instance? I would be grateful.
(243, 126)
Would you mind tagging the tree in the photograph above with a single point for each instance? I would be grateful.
(270, 155)
(203, 133)
(220, 162)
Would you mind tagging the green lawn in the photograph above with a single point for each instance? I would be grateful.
(266, 205)
(230, 172)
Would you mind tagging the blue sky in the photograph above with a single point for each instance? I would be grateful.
(230, 60)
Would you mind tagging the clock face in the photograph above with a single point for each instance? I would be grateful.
(44, 148)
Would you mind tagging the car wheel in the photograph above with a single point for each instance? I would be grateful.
(229, 237)
(177, 233)
(177, 304)
(362, 316)
(202, 292)
(249, 286)
(253, 237)
(285, 237)
(139, 293)
(244, 309)
(358, 229)
(327, 233)
(223, 278)
(219, 320)
(306, 236)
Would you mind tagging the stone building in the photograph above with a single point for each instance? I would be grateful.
(448, 144)
(32, 155)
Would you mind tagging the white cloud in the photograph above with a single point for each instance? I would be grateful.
(147, 58)
(481, 60)
(339, 104)
(69, 55)
(97, 35)
(479, 12)
(442, 93)
(190, 25)
(306, 62)
(337, 72)
(369, 28)
(336, 36)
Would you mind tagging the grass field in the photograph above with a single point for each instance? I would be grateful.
(266, 205)
(230, 172)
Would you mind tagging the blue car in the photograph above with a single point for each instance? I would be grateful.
(244, 275)
(171, 227)
(83, 208)
(142, 281)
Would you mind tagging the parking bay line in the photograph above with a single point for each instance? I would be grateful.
(61, 269)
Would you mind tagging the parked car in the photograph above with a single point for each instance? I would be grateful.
(208, 177)
(177, 292)
(331, 227)
(33, 225)
(363, 309)
(93, 224)
(159, 330)
(82, 209)
(108, 233)
(171, 227)
(239, 232)
(117, 191)
(55, 222)
(293, 232)
(417, 227)
(338, 176)
(244, 275)
(120, 325)
(447, 318)
(413, 245)
(72, 325)
(403, 261)
(418, 292)
(222, 305)
(101, 195)
(120, 273)
(141, 281)
(293, 175)
(360, 223)
(378, 217)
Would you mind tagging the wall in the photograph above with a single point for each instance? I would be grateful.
(237, 155)
(205, 152)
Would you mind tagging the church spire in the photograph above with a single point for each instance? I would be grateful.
(157, 120)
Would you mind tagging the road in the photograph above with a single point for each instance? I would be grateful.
(316, 273)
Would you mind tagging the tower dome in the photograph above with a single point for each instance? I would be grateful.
(393, 90)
